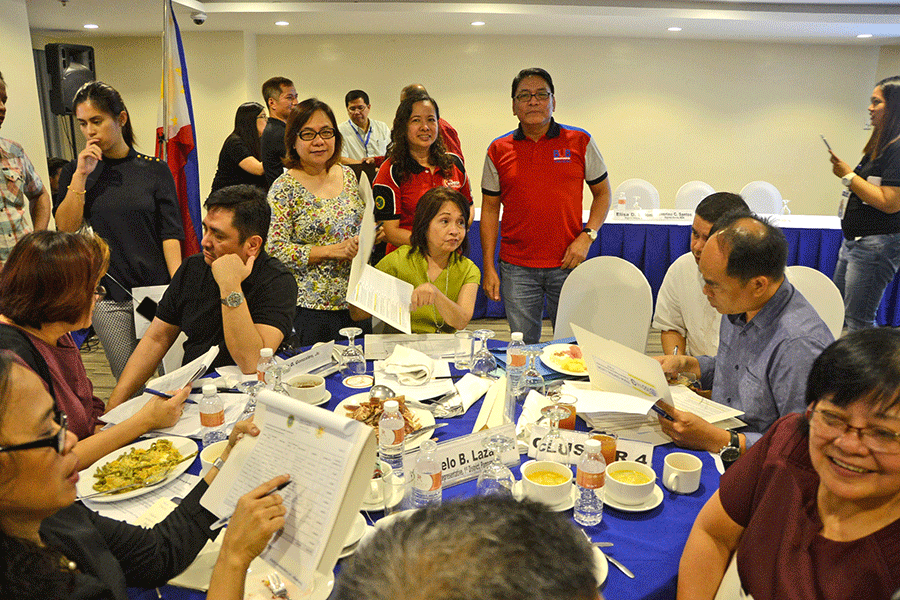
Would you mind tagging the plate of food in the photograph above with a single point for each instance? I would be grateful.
(564, 358)
(359, 407)
(135, 463)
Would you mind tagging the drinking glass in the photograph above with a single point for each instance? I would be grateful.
(251, 388)
(566, 401)
(531, 378)
(495, 479)
(353, 361)
(277, 371)
(607, 441)
(553, 446)
(483, 362)
(462, 358)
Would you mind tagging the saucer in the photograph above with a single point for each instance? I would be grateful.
(324, 400)
(655, 499)
(519, 494)
(394, 500)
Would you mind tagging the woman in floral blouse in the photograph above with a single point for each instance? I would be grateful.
(316, 214)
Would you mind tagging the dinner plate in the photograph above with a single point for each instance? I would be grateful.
(394, 500)
(655, 499)
(425, 417)
(549, 360)
(519, 493)
(356, 530)
(368, 530)
(85, 485)
(601, 566)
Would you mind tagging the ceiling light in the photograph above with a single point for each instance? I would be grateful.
(477, 23)
(282, 23)
(674, 28)
(864, 35)
(91, 26)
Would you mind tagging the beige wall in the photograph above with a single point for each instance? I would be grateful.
(666, 111)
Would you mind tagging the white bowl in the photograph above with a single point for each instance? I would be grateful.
(209, 455)
(629, 494)
(312, 390)
(551, 495)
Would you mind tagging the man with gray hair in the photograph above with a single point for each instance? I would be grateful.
(484, 548)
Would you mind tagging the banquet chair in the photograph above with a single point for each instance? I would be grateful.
(637, 190)
(609, 296)
(821, 292)
(690, 194)
(763, 198)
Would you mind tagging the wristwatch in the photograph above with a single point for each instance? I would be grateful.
(732, 451)
(233, 300)
(848, 178)
(592, 233)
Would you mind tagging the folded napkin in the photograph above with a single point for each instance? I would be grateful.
(411, 367)
(491, 414)
(531, 412)
(470, 388)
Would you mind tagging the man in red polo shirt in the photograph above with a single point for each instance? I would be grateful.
(537, 172)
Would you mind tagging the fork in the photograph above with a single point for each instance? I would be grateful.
(279, 590)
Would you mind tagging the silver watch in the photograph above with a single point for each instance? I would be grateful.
(233, 300)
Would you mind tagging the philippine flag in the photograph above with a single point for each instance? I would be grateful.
(178, 136)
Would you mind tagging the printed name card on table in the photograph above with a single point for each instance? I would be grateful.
(462, 458)
(311, 359)
(625, 449)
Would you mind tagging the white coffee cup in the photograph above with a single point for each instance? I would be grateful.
(550, 495)
(209, 455)
(306, 388)
(629, 494)
(681, 473)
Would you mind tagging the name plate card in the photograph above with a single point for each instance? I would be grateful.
(309, 360)
(462, 458)
(625, 449)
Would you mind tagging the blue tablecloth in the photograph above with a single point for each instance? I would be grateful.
(649, 543)
(652, 247)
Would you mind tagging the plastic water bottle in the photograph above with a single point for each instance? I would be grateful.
(515, 365)
(212, 416)
(391, 431)
(621, 203)
(427, 487)
(266, 362)
(590, 479)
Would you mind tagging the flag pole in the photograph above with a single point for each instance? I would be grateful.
(163, 135)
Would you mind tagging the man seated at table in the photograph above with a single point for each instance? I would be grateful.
(767, 342)
(233, 294)
(484, 548)
(686, 320)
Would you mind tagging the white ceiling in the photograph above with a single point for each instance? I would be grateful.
(823, 21)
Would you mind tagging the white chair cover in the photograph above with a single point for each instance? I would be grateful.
(821, 292)
(690, 194)
(608, 296)
(637, 190)
(763, 198)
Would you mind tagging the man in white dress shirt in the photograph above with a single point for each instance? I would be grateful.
(365, 139)
(683, 314)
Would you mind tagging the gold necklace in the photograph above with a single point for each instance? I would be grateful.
(434, 312)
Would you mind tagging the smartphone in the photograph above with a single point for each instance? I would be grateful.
(147, 308)
(827, 145)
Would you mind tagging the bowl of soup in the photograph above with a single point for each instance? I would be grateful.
(306, 388)
(546, 481)
(629, 482)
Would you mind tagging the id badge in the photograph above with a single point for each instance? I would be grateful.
(845, 195)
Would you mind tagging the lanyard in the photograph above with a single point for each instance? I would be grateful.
(364, 142)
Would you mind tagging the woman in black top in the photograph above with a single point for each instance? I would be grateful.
(129, 200)
(239, 159)
(870, 212)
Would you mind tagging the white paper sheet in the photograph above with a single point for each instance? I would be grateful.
(133, 509)
(435, 345)
(383, 296)
(189, 423)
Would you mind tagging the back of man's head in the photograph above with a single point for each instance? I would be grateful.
(248, 203)
(755, 247)
(485, 548)
(714, 206)
(271, 88)
(413, 88)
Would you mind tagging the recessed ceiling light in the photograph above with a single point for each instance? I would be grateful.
(477, 23)
(674, 28)
(282, 23)
(864, 35)
(91, 26)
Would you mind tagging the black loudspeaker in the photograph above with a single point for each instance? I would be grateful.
(69, 67)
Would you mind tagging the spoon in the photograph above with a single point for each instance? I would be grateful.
(381, 392)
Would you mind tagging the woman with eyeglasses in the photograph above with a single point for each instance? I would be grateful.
(50, 287)
(316, 214)
(812, 510)
(239, 159)
(55, 548)
(417, 161)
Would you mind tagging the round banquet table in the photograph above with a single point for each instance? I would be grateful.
(649, 543)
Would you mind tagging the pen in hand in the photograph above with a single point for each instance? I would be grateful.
(224, 520)
(662, 413)
(165, 395)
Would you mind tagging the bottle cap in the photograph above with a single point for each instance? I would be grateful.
(427, 446)
(593, 445)
(516, 336)
(266, 353)
(391, 406)
(209, 389)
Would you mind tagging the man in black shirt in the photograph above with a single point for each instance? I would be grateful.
(233, 294)
(280, 97)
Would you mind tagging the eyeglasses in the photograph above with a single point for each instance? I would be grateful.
(308, 135)
(542, 95)
(827, 424)
(100, 292)
(56, 441)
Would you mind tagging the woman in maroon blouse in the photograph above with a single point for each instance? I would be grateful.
(49, 288)
(813, 509)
